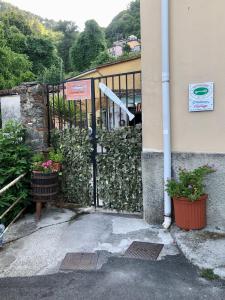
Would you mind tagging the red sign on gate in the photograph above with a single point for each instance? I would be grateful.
(78, 90)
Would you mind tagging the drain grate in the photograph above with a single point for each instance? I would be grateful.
(79, 261)
(142, 250)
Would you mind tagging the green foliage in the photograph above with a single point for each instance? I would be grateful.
(67, 110)
(15, 68)
(27, 49)
(102, 58)
(209, 274)
(189, 184)
(41, 52)
(56, 156)
(70, 33)
(119, 169)
(52, 75)
(38, 157)
(89, 44)
(125, 23)
(126, 49)
(77, 172)
(14, 161)
(16, 19)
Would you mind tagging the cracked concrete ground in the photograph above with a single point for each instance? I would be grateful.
(41, 247)
(204, 248)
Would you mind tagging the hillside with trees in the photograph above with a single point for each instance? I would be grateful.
(34, 48)
(126, 23)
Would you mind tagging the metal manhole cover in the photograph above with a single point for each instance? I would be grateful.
(79, 261)
(142, 250)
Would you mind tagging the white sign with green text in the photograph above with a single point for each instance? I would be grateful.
(201, 96)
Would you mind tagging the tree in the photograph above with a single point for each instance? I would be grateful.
(41, 52)
(15, 68)
(23, 34)
(126, 48)
(89, 44)
(69, 31)
(126, 23)
(17, 19)
(103, 58)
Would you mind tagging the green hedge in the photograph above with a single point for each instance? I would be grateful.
(118, 168)
(77, 173)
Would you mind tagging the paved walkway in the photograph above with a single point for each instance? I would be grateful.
(128, 279)
(45, 245)
(40, 248)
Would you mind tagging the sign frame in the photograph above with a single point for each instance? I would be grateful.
(78, 90)
(201, 97)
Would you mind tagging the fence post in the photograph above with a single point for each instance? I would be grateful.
(94, 152)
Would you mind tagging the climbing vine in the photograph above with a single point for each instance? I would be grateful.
(119, 169)
(77, 169)
(119, 180)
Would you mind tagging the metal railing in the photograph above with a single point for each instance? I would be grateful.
(79, 113)
(2, 191)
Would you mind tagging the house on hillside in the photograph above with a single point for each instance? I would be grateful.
(118, 47)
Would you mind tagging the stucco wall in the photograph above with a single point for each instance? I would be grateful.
(197, 44)
(197, 47)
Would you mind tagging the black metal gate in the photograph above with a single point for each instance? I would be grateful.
(96, 110)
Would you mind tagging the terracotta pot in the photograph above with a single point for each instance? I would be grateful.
(56, 166)
(190, 215)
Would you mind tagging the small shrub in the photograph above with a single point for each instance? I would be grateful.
(14, 161)
(190, 184)
(209, 274)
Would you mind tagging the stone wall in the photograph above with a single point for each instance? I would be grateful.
(34, 114)
(152, 172)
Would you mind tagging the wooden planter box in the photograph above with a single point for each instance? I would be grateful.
(190, 215)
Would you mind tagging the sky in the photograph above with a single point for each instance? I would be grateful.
(79, 11)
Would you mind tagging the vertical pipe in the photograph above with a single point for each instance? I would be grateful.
(166, 107)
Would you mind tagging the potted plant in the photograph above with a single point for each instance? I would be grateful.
(56, 157)
(44, 181)
(189, 197)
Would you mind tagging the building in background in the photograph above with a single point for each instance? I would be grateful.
(132, 42)
(124, 78)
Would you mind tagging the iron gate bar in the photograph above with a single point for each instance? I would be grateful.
(75, 112)
(103, 76)
(127, 98)
(64, 106)
(94, 152)
(134, 95)
(53, 103)
(110, 116)
(120, 98)
(49, 117)
(113, 102)
(86, 106)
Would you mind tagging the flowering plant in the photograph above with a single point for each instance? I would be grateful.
(189, 184)
(40, 164)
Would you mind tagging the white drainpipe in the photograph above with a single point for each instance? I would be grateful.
(166, 107)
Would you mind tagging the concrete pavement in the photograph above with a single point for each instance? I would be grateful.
(172, 278)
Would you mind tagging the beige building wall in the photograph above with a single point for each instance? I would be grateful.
(197, 44)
